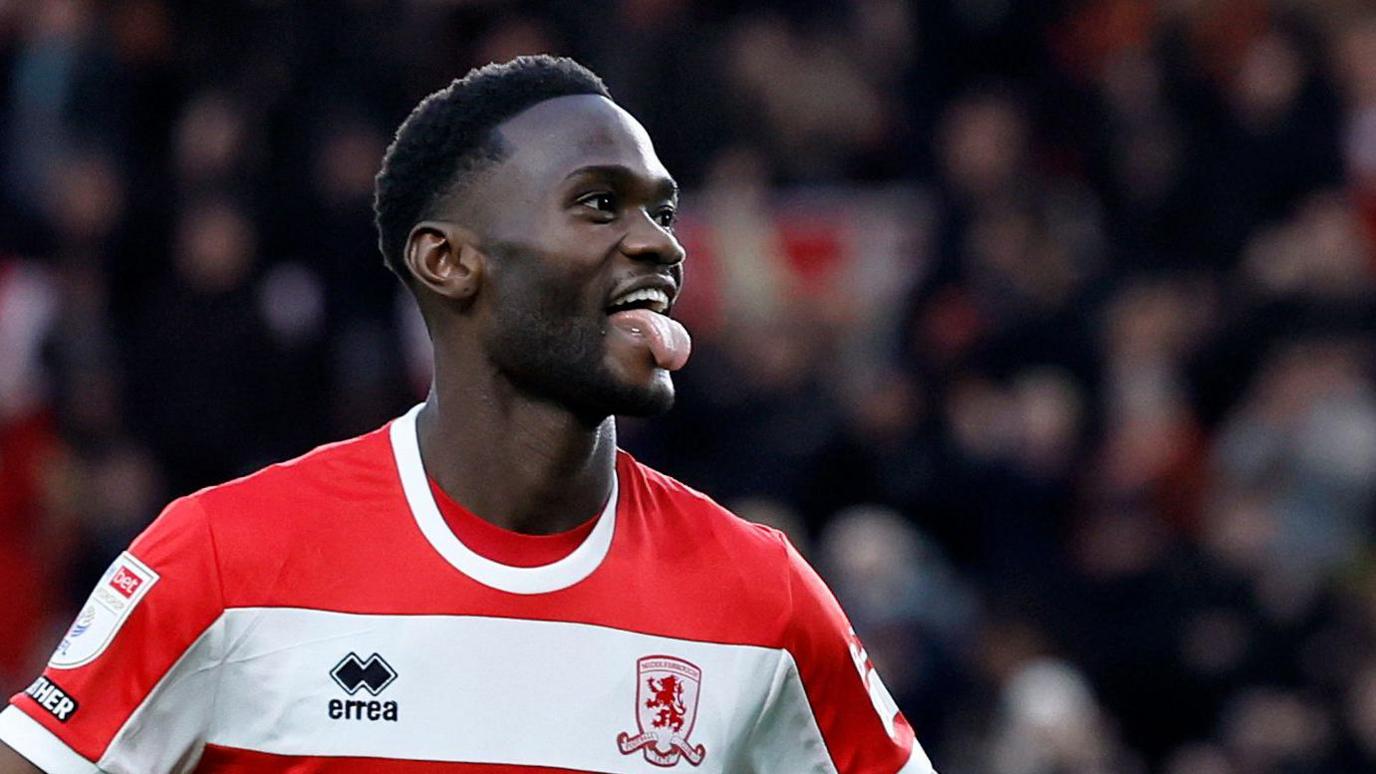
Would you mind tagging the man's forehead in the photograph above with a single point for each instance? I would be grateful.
(560, 135)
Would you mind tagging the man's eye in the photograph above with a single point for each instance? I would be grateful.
(666, 217)
(602, 202)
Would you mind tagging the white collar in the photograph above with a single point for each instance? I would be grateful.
(517, 580)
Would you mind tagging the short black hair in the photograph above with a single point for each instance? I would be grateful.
(449, 136)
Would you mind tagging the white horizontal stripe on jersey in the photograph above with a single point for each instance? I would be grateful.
(465, 689)
(478, 689)
(37, 744)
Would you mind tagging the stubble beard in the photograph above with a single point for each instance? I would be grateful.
(552, 350)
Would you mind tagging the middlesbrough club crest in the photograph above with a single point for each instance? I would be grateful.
(666, 704)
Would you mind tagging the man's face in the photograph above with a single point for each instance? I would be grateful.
(579, 213)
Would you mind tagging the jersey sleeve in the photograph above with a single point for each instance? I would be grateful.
(131, 686)
(827, 710)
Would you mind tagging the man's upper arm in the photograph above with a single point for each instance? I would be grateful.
(130, 686)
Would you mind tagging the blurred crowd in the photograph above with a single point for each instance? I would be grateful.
(1044, 328)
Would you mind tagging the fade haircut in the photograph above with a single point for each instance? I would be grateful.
(451, 135)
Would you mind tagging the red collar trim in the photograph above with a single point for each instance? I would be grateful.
(515, 549)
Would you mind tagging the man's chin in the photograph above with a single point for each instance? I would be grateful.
(644, 401)
(611, 396)
(648, 408)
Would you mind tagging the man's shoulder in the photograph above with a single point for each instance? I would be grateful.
(346, 471)
(718, 577)
(313, 501)
(677, 511)
(334, 509)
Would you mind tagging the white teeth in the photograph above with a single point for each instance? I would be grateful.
(659, 300)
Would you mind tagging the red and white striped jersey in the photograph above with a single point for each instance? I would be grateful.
(321, 616)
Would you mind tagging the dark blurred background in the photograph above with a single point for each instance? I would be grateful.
(1045, 328)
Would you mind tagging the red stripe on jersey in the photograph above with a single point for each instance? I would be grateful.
(231, 760)
(502, 545)
(333, 531)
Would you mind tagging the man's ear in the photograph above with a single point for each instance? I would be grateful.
(445, 258)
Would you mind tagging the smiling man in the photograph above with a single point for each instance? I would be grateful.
(486, 584)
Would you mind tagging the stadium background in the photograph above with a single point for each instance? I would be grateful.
(1043, 327)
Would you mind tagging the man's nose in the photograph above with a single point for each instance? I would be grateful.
(647, 240)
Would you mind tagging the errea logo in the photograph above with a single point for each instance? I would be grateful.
(354, 674)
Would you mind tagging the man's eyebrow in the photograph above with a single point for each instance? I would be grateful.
(664, 187)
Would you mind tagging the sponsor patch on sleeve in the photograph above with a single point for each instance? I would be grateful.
(48, 695)
(119, 591)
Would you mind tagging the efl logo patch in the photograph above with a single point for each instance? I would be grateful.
(116, 595)
(125, 582)
(50, 697)
(666, 704)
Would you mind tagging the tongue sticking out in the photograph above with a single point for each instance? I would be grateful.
(667, 339)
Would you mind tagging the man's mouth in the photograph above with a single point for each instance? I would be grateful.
(642, 314)
(654, 299)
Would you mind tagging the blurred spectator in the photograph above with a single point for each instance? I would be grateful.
(1050, 722)
(1268, 730)
(201, 360)
(210, 144)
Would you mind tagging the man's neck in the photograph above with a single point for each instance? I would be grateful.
(523, 465)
